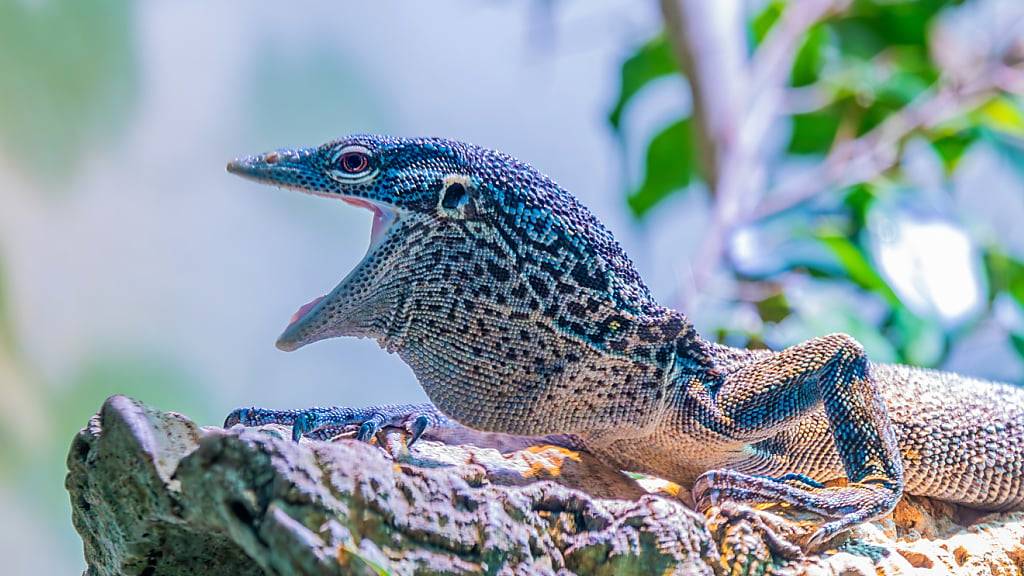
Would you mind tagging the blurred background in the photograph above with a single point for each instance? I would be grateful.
(777, 169)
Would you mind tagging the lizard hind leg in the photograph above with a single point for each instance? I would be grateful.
(775, 394)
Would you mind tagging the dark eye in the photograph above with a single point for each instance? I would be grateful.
(354, 162)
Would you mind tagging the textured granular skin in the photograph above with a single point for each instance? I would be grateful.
(520, 313)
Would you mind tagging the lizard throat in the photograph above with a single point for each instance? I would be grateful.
(383, 218)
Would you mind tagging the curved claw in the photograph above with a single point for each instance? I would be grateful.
(417, 428)
(237, 416)
(705, 495)
(823, 534)
(367, 431)
(321, 423)
(304, 424)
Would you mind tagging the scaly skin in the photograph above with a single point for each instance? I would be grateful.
(520, 314)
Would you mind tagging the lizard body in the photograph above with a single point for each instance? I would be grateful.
(519, 313)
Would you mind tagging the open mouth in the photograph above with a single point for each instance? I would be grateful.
(383, 217)
(292, 169)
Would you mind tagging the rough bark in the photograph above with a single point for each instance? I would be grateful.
(152, 493)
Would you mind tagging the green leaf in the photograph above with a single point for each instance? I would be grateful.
(773, 308)
(857, 266)
(1005, 274)
(884, 61)
(765, 20)
(814, 132)
(1017, 341)
(810, 57)
(1001, 114)
(920, 341)
(856, 38)
(878, 99)
(651, 61)
(859, 200)
(863, 96)
(900, 88)
(951, 147)
(873, 25)
(1000, 121)
(670, 165)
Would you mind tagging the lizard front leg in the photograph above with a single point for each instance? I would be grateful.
(323, 422)
(418, 420)
(773, 394)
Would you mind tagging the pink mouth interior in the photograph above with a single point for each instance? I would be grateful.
(304, 309)
(381, 219)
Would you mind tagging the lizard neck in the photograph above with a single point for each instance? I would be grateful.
(522, 374)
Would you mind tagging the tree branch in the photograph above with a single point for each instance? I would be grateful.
(735, 102)
(876, 151)
(707, 38)
(773, 60)
(710, 43)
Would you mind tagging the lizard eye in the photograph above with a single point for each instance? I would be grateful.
(354, 162)
(350, 162)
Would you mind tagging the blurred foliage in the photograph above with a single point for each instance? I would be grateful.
(147, 376)
(669, 166)
(651, 61)
(671, 159)
(863, 65)
(69, 80)
(6, 323)
(7, 457)
(21, 410)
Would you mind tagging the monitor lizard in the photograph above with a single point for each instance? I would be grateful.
(519, 313)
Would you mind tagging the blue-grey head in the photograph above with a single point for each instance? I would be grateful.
(464, 240)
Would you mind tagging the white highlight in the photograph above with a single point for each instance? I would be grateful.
(930, 264)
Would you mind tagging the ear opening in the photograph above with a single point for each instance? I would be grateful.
(454, 196)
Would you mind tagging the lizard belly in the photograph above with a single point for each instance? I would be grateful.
(677, 450)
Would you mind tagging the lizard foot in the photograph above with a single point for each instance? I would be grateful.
(324, 423)
(842, 507)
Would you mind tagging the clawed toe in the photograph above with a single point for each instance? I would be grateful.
(324, 423)
(367, 431)
(419, 425)
(305, 423)
(237, 416)
(252, 416)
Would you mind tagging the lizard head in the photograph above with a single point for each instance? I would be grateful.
(404, 183)
(460, 233)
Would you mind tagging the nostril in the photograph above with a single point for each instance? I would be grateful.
(271, 157)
